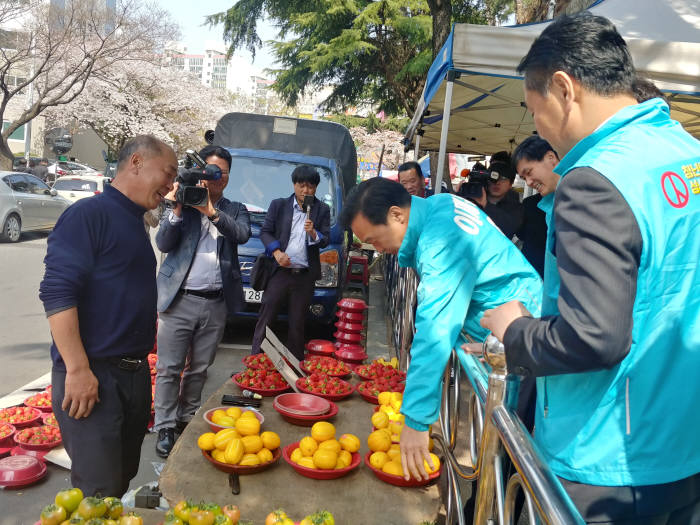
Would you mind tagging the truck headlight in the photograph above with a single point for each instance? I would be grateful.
(329, 269)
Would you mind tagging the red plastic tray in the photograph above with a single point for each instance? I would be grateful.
(261, 391)
(308, 421)
(355, 328)
(348, 337)
(29, 423)
(352, 305)
(20, 471)
(5, 451)
(34, 446)
(399, 481)
(318, 473)
(320, 347)
(243, 469)
(351, 317)
(20, 451)
(28, 402)
(331, 397)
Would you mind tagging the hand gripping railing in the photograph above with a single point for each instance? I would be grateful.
(498, 435)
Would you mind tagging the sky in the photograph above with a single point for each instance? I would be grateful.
(197, 37)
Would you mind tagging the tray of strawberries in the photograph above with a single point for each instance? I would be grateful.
(42, 401)
(376, 370)
(6, 433)
(325, 365)
(38, 438)
(263, 382)
(258, 362)
(20, 416)
(325, 386)
(370, 390)
(50, 419)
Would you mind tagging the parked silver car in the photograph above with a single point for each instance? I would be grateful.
(27, 204)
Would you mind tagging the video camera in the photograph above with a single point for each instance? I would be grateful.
(194, 170)
(479, 179)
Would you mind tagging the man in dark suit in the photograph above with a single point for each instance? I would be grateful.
(198, 284)
(293, 235)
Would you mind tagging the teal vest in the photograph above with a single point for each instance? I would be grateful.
(551, 294)
(638, 423)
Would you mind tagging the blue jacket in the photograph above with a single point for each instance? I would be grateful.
(637, 422)
(465, 266)
(180, 241)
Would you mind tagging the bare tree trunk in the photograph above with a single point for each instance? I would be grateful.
(570, 7)
(441, 11)
(531, 10)
(6, 156)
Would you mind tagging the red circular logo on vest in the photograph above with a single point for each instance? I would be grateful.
(675, 189)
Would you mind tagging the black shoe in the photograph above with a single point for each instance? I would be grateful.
(166, 440)
(180, 426)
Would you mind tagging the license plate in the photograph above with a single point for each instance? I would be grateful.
(252, 296)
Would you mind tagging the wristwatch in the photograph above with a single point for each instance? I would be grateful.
(214, 217)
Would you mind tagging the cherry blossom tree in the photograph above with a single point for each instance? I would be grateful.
(53, 51)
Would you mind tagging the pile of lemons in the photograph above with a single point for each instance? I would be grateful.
(384, 441)
(322, 451)
(394, 362)
(241, 445)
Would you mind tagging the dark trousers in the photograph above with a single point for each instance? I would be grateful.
(676, 503)
(297, 287)
(105, 447)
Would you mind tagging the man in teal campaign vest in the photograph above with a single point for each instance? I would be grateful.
(617, 355)
(465, 266)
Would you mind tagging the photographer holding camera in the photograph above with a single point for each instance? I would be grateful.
(475, 189)
(198, 284)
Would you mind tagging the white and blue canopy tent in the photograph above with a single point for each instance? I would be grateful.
(473, 100)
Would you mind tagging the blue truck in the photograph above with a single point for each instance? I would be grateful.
(265, 150)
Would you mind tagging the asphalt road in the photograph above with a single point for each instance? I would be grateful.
(24, 356)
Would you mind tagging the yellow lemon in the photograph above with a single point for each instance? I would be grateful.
(234, 412)
(377, 459)
(395, 427)
(322, 431)
(248, 413)
(395, 438)
(394, 452)
(345, 456)
(270, 440)
(384, 398)
(350, 442)
(396, 399)
(436, 464)
(219, 413)
(340, 463)
(308, 446)
(380, 419)
(325, 458)
(218, 455)
(206, 441)
(296, 454)
(250, 460)
(379, 441)
(226, 421)
(234, 451)
(331, 444)
(307, 462)
(265, 455)
(393, 467)
(386, 431)
(247, 426)
(252, 444)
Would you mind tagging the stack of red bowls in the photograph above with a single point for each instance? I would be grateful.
(350, 334)
(320, 347)
(304, 409)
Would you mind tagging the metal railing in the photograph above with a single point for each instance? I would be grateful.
(497, 438)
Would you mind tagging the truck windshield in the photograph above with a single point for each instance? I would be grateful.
(256, 182)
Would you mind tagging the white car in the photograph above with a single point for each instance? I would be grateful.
(76, 187)
(64, 168)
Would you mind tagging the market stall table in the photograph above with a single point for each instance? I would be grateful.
(356, 498)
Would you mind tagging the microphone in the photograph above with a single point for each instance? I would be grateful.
(308, 201)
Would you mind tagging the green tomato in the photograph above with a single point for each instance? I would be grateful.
(114, 507)
(53, 515)
(91, 508)
(69, 499)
